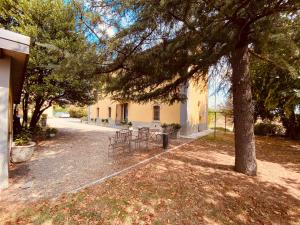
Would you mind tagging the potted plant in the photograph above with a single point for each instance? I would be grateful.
(130, 125)
(124, 124)
(51, 132)
(22, 147)
(176, 127)
(164, 127)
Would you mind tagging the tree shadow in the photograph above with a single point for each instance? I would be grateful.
(18, 172)
(270, 149)
(214, 193)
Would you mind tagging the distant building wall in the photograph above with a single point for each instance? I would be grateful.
(194, 110)
(191, 114)
(138, 114)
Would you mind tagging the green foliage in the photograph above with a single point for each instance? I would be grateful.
(23, 138)
(268, 129)
(167, 43)
(275, 86)
(58, 108)
(104, 120)
(61, 63)
(78, 112)
(176, 126)
(164, 125)
(124, 122)
(50, 130)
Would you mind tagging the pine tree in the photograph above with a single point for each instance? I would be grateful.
(161, 44)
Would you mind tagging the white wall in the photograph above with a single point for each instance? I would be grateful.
(4, 120)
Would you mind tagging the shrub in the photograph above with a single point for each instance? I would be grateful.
(23, 138)
(267, 129)
(130, 124)
(77, 112)
(164, 125)
(50, 130)
(123, 122)
(104, 120)
(176, 126)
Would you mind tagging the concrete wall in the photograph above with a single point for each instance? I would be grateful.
(5, 119)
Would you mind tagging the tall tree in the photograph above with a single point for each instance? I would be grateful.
(60, 64)
(276, 82)
(161, 44)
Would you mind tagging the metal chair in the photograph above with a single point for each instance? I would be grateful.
(121, 141)
(142, 137)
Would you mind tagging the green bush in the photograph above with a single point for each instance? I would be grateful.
(50, 130)
(23, 138)
(78, 112)
(268, 129)
(175, 126)
(164, 125)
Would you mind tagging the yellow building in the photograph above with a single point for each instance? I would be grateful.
(191, 114)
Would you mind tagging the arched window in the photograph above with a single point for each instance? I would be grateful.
(156, 112)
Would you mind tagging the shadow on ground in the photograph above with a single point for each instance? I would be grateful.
(195, 184)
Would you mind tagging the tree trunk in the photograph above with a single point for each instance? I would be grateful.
(245, 158)
(25, 110)
(37, 112)
(16, 122)
(290, 124)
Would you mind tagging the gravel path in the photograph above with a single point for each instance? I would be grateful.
(77, 156)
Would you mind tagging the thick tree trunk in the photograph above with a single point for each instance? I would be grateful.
(290, 124)
(35, 119)
(37, 112)
(245, 158)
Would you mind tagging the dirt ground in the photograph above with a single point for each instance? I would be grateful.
(76, 157)
(194, 184)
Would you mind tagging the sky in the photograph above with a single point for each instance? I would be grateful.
(221, 96)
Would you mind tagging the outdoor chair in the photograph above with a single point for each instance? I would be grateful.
(121, 141)
(142, 137)
(171, 132)
(156, 135)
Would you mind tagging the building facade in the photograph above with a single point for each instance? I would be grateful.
(191, 114)
(14, 53)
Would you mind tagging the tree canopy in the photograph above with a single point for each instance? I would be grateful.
(60, 64)
(276, 80)
(159, 45)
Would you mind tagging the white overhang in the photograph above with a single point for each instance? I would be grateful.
(15, 46)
